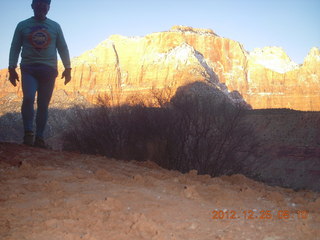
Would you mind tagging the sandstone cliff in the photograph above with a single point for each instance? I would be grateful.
(266, 78)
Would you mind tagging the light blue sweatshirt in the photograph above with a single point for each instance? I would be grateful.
(39, 40)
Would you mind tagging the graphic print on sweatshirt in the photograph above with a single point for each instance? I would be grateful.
(39, 37)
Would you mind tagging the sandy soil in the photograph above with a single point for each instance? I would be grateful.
(59, 195)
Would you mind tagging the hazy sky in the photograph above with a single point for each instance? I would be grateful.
(293, 25)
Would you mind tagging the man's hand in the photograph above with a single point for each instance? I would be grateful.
(13, 76)
(67, 75)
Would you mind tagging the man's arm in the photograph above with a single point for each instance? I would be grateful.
(64, 54)
(15, 49)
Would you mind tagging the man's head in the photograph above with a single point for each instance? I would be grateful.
(40, 8)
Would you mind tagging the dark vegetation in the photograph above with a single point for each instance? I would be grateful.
(198, 128)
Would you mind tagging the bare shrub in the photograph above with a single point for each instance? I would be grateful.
(200, 128)
(207, 132)
(162, 96)
(111, 131)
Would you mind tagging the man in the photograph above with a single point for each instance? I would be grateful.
(39, 38)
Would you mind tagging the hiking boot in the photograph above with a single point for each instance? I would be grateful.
(28, 138)
(39, 142)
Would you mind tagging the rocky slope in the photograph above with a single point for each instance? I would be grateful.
(266, 78)
(60, 195)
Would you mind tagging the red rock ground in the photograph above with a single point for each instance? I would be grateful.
(60, 195)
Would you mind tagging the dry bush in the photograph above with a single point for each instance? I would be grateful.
(200, 128)
(162, 96)
(206, 132)
(118, 132)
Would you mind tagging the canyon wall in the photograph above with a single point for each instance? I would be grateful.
(265, 78)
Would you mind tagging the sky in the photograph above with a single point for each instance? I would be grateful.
(293, 25)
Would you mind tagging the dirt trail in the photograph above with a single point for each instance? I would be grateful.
(59, 195)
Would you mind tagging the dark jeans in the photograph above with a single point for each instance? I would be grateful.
(37, 78)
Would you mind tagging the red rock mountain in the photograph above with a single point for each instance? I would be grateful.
(266, 78)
